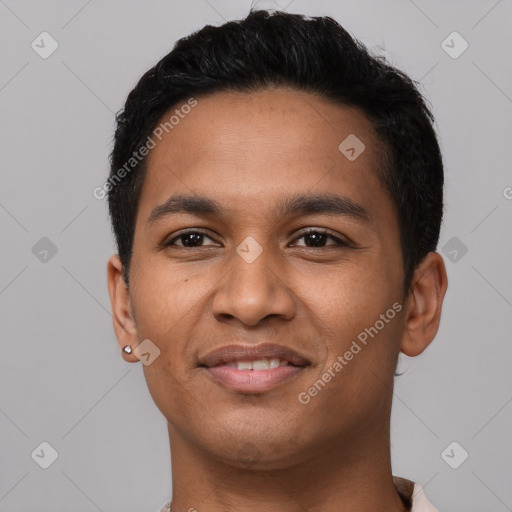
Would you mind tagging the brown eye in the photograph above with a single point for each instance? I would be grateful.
(318, 238)
(188, 239)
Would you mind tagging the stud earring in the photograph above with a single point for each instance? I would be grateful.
(127, 349)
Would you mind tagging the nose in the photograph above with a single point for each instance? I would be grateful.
(253, 290)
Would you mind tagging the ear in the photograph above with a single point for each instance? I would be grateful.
(424, 304)
(124, 323)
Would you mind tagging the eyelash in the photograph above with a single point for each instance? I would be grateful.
(339, 242)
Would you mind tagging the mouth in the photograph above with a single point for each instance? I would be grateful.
(253, 368)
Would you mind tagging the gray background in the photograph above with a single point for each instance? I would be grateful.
(62, 379)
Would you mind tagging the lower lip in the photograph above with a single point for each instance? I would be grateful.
(253, 381)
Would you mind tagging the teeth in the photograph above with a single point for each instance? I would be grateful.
(260, 364)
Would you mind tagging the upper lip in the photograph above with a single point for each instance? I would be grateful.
(230, 353)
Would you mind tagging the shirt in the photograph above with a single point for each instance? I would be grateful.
(411, 493)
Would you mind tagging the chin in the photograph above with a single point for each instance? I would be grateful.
(256, 450)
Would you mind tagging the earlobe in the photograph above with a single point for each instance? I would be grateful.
(424, 305)
(122, 317)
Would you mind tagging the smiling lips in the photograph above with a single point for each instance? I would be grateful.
(253, 368)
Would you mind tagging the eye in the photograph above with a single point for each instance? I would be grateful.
(192, 238)
(318, 237)
(313, 238)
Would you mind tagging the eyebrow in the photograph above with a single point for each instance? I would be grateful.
(302, 204)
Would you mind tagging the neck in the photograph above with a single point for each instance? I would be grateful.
(343, 477)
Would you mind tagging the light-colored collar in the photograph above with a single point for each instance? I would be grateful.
(412, 494)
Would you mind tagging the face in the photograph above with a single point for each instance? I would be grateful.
(258, 239)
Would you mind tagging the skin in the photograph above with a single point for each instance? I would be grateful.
(267, 451)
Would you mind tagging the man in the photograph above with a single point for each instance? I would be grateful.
(276, 195)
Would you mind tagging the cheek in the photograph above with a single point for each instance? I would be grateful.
(164, 303)
(162, 297)
(362, 351)
(358, 316)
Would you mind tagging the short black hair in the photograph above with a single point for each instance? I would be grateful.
(311, 54)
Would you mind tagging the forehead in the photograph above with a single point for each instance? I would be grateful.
(246, 150)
